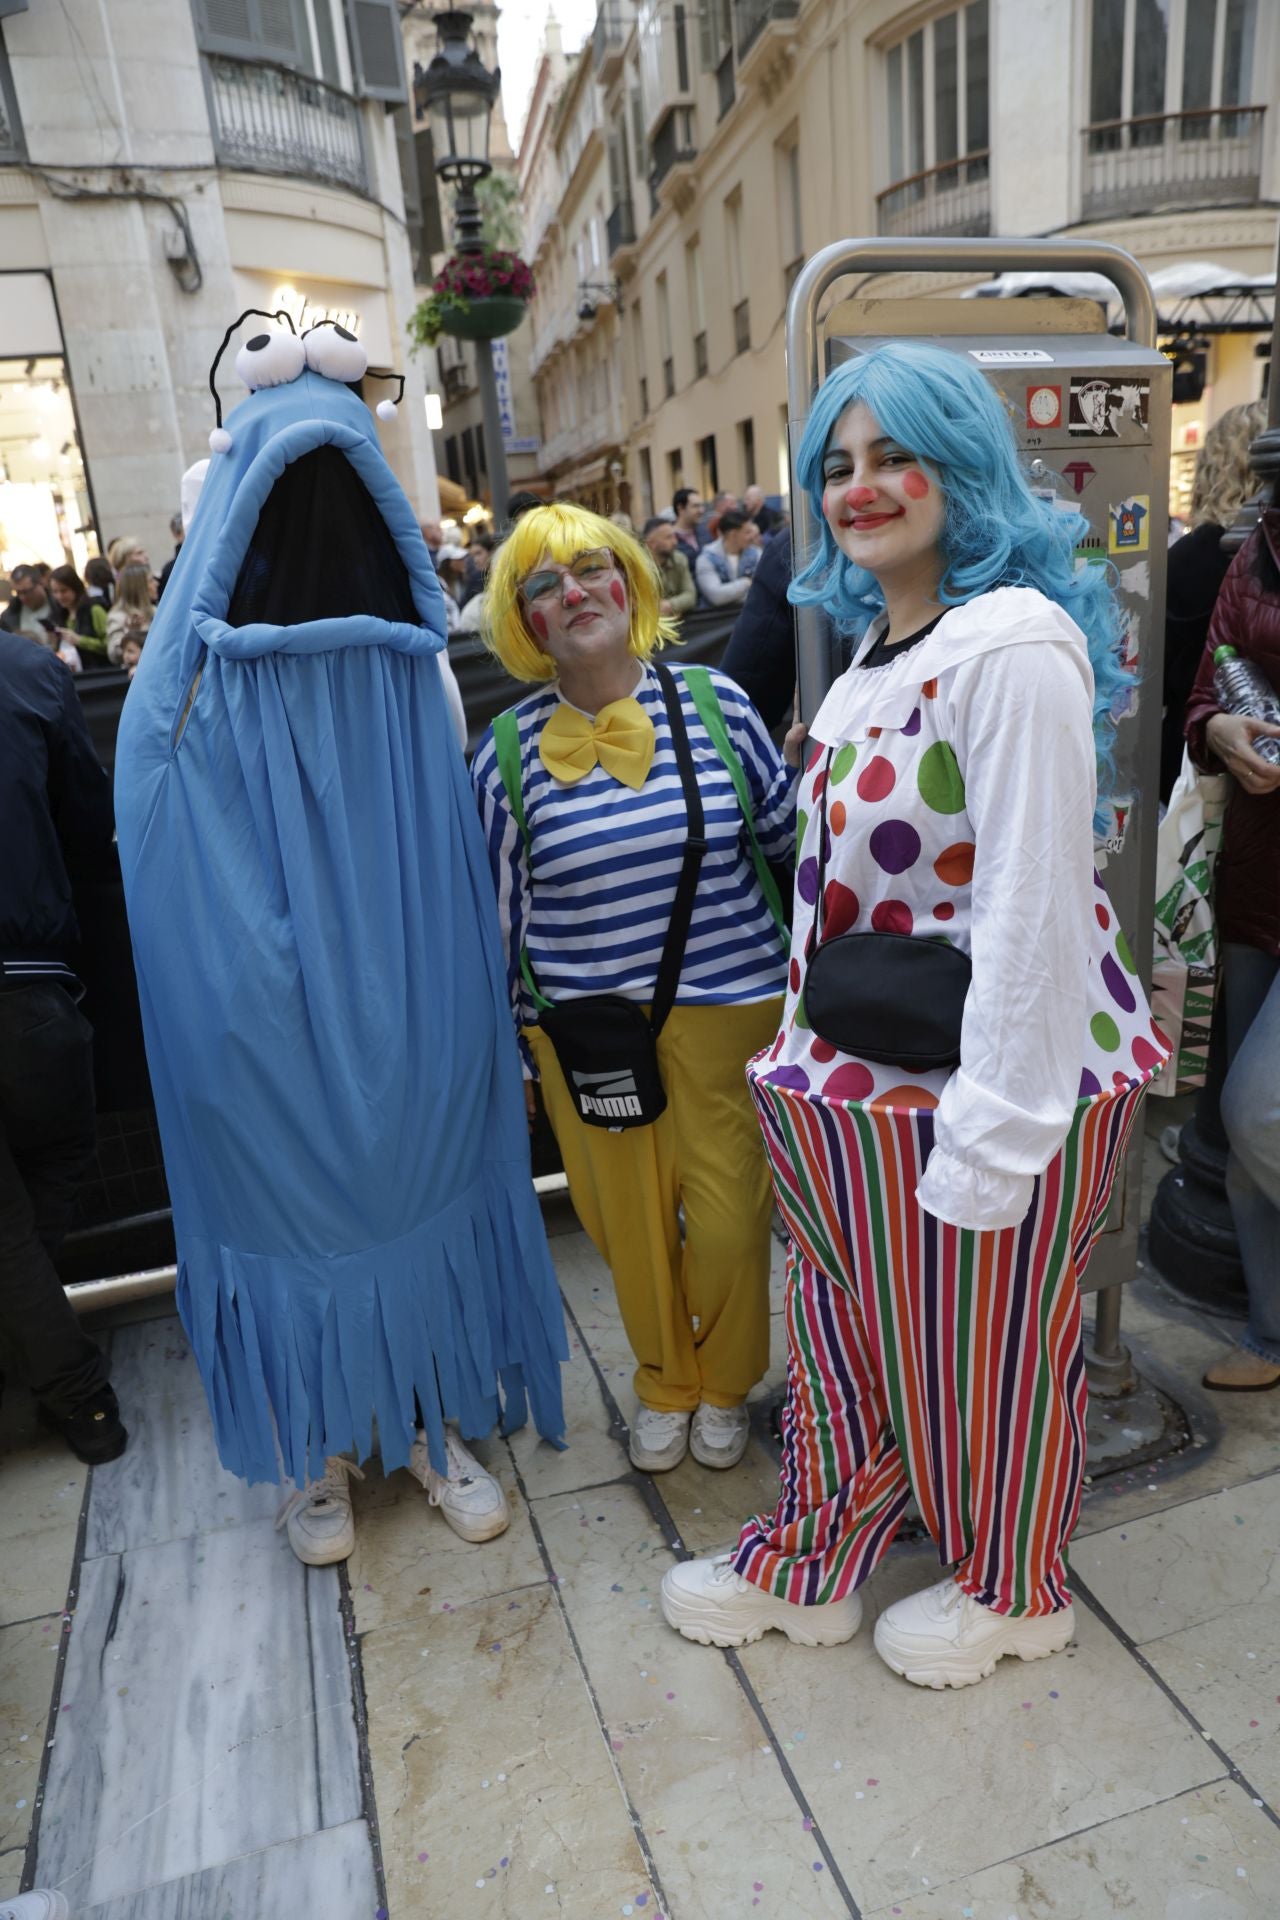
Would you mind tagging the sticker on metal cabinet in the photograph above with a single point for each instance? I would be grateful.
(1127, 529)
(1011, 356)
(1044, 406)
(1135, 579)
(1109, 409)
(1115, 827)
(1079, 473)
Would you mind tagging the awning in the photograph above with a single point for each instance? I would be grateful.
(1192, 296)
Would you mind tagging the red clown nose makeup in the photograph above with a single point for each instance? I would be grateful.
(914, 485)
(860, 496)
(619, 593)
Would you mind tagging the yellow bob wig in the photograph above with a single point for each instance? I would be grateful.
(563, 531)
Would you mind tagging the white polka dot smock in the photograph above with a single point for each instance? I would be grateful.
(960, 805)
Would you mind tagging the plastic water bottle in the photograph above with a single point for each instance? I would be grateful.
(1242, 687)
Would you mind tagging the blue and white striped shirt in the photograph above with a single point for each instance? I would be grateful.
(606, 860)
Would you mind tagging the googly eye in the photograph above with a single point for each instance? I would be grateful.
(270, 359)
(335, 353)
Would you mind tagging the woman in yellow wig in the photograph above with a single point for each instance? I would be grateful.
(590, 790)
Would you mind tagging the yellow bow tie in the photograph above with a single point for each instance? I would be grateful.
(620, 738)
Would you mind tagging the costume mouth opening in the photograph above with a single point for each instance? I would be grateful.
(321, 550)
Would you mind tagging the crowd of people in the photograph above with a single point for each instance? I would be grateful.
(929, 1056)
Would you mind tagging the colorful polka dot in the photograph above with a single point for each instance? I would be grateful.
(1116, 984)
(843, 763)
(1119, 1080)
(819, 786)
(838, 816)
(851, 1081)
(794, 1077)
(821, 1050)
(954, 865)
(1126, 958)
(894, 845)
(1147, 1057)
(1105, 1032)
(802, 827)
(816, 757)
(906, 1096)
(1104, 918)
(840, 909)
(939, 779)
(800, 1018)
(793, 975)
(778, 1045)
(945, 912)
(930, 689)
(873, 733)
(892, 916)
(911, 727)
(876, 781)
(1090, 1086)
(807, 880)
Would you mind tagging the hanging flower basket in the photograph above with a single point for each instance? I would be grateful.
(477, 296)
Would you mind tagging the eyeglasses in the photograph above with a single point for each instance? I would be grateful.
(585, 568)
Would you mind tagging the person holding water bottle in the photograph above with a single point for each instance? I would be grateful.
(1231, 725)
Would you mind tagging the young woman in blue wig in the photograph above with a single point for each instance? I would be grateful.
(963, 1048)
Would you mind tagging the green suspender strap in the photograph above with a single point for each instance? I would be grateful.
(506, 741)
(711, 713)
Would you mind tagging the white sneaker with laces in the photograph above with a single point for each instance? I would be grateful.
(659, 1441)
(37, 1905)
(321, 1527)
(944, 1638)
(470, 1499)
(718, 1436)
(707, 1601)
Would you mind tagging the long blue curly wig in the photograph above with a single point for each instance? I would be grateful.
(996, 531)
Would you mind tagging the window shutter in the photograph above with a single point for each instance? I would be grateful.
(376, 51)
(707, 49)
(407, 155)
(251, 30)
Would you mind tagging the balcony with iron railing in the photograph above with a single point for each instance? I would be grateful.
(725, 91)
(1208, 157)
(675, 149)
(269, 119)
(758, 22)
(742, 327)
(620, 231)
(607, 42)
(699, 354)
(952, 198)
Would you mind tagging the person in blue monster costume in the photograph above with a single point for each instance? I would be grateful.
(323, 989)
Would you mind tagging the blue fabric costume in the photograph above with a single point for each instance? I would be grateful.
(324, 999)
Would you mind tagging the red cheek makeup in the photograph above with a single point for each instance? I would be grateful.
(619, 594)
(538, 621)
(914, 485)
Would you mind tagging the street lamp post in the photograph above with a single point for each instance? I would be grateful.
(455, 93)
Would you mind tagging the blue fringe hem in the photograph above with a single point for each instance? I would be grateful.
(299, 1355)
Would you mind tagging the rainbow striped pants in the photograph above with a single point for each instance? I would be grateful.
(927, 1360)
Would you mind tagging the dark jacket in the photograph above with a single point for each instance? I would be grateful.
(55, 802)
(1197, 569)
(1247, 617)
(761, 654)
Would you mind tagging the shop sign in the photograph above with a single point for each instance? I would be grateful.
(304, 313)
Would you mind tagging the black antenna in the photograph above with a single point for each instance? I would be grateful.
(389, 376)
(248, 313)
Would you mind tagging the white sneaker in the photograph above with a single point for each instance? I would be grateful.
(659, 1441)
(707, 1601)
(38, 1905)
(718, 1437)
(470, 1499)
(321, 1527)
(944, 1638)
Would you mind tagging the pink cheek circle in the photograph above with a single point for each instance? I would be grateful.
(914, 485)
(538, 621)
(619, 593)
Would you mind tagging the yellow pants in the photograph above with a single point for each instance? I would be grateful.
(696, 1311)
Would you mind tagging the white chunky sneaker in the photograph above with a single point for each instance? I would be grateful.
(321, 1527)
(659, 1441)
(469, 1498)
(944, 1638)
(707, 1601)
(38, 1905)
(718, 1437)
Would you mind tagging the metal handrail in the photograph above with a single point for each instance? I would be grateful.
(943, 166)
(875, 255)
(1153, 119)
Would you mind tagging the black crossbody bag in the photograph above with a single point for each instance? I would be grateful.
(607, 1045)
(888, 997)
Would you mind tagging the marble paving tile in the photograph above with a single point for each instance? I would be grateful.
(709, 1508)
(168, 1483)
(408, 1561)
(11, 1873)
(893, 1772)
(324, 1876)
(495, 1789)
(723, 1824)
(41, 1493)
(593, 1453)
(1208, 1855)
(1194, 1563)
(27, 1666)
(206, 1712)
